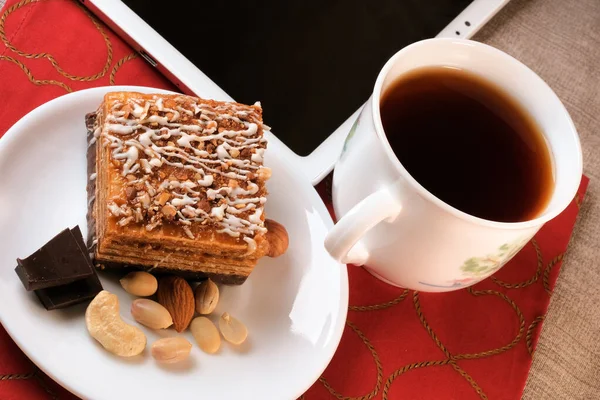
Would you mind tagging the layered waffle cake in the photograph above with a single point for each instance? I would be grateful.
(177, 184)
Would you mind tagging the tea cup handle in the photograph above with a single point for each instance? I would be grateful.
(342, 241)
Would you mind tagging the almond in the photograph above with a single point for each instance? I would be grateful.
(177, 296)
(277, 237)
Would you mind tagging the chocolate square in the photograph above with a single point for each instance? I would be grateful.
(70, 294)
(64, 259)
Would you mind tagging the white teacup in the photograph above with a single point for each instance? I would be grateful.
(404, 234)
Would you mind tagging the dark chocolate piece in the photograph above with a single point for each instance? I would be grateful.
(70, 294)
(62, 260)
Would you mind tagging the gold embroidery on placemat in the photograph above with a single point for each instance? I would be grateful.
(551, 265)
(10, 377)
(450, 358)
(378, 365)
(426, 325)
(38, 82)
(36, 375)
(118, 65)
(504, 348)
(44, 386)
(578, 201)
(381, 306)
(533, 279)
(49, 57)
(529, 335)
(406, 368)
(469, 379)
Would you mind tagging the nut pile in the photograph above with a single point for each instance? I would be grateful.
(176, 305)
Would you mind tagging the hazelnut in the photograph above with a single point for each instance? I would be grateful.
(264, 173)
(204, 205)
(169, 211)
(163, 198)
(246, 153)
(130, 193)
(145, 200)
(181, 174)
(127, 110)
(277, 237)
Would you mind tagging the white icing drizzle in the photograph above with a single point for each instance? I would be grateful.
(144, 135)
(251, 245)
(206, 181)
(258, 156)
(219, 212)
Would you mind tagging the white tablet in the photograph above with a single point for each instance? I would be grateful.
(311, 63)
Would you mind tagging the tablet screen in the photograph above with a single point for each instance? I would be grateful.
(311, 63)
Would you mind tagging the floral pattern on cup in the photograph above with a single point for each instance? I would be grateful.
(481, 267)
(476, 269)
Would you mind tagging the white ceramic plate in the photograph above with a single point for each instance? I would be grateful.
(294, 306)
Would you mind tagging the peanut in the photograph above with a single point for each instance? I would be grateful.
(171, 349)
(207, 297)
(150, 313)
(139, 283)
(206, 334)
(233, 330)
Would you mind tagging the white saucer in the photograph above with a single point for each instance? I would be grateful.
(294, 306)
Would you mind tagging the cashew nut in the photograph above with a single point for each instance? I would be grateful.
(106, 326)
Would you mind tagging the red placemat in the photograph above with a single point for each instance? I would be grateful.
(469, 344)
